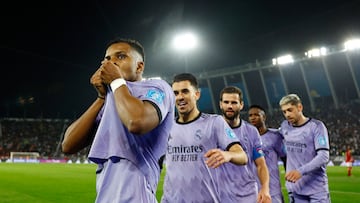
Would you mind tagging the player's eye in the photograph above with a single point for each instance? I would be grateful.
(121, 56)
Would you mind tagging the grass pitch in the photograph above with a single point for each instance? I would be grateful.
(47, 183)
(62, 183)
(343, 189)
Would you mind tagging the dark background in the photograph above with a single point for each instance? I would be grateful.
(50, 49)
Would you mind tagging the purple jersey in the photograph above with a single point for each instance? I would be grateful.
(240, 181)
(304, 143)
(113, 141)
(188, 179)
(273, 147)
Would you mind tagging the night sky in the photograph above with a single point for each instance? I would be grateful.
(49, 50)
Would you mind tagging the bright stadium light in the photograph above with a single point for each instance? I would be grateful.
(316, 52)
(281, 60)
(185, 41)
(352, 44)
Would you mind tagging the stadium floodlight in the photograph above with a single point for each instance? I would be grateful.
(185, 41)
(316, 52)
(282, 60)
(352, 44)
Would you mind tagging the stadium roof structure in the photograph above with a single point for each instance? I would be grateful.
(50, 49)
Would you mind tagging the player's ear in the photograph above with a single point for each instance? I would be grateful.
(300, 107)
(140, 67)
(197, 94)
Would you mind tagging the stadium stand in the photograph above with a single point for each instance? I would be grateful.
(34, 135)
(45, 135)
(329, 86)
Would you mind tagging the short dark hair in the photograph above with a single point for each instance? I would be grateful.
(187, 76)
(257, 107)
(232, 90)
(136, 45)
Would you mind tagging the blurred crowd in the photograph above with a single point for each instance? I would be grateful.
(34, 135)
(45, 135)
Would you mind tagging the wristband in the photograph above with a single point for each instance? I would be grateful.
(117, 83)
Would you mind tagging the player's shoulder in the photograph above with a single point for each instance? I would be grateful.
(316, 121)
(214, 119)
(284, 123)
(274, 130)
(210, 116)
(157, 83)
(149, 83)
(156, 88)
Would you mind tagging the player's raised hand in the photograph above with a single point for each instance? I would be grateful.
(96, 81)
(109, 71)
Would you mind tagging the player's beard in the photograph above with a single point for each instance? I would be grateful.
(233, 116)
(293, 120)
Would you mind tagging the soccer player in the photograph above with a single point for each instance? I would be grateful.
(199, 145)
(245, 187)
(349, 160)
(273, 147)
(127, 126)
(307, 148)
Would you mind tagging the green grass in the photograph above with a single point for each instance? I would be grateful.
(46, 183)
(343, 189)
(50, 183)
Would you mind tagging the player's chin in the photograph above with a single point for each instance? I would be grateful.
(182, 108)
(230, 114)
(291, 120)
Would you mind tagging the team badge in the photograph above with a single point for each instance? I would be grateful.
(230, 133)
(198, 135)
(322, 141)
(155, 95)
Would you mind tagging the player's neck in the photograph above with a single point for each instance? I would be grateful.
(192, 115)
(234, 122)
(301, 121)
(262, 130)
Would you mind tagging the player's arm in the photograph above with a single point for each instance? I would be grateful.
(235, 155)
(322, 157)
(263, 174)
(321, 141)
(81, 132)
(238, 155)
(137, 115)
